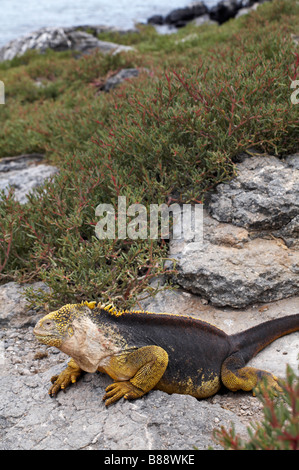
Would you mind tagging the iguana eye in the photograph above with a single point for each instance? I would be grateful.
(48, 324)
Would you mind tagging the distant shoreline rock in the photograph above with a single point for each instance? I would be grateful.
(220, 13)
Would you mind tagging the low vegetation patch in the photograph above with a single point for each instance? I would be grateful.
(170, 135)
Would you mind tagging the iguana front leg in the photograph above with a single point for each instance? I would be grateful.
(136, 373)
(69, 375)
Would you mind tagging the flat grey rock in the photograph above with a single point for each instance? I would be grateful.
(120, 77)
(14, 311)
(23, 174)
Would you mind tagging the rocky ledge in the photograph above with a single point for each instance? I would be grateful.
(250, 245)
(61, 39)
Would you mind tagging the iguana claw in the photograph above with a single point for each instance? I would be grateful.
(117, 390)
(64, 379)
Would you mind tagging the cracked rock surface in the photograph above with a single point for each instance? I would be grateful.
(78, 419)
(264, 195)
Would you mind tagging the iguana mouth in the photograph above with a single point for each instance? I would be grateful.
(41, 337)
(47, 338)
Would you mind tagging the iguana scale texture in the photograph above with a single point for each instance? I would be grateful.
(142, 351)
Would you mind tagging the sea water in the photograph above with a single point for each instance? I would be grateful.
(18, 17)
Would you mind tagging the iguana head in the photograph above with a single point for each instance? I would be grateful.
(56, 327)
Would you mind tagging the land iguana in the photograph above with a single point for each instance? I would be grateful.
(142, 351)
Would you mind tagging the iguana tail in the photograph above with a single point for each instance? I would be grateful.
(253, 340)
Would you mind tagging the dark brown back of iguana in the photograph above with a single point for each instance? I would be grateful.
(195, 349)
(200, 356)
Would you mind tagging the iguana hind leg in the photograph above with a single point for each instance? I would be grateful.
(136, 373)
(236, 376)
(69, 375)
